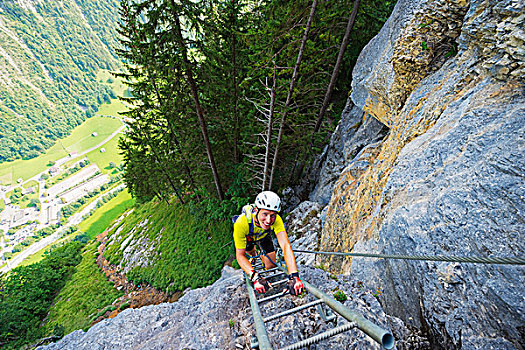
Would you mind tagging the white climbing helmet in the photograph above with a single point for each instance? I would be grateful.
(268, 200)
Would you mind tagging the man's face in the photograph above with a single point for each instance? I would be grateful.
(266, 218)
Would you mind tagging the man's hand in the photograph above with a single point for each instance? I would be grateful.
(261, 285)
(295, 286)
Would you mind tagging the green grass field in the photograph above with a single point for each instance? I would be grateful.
(10, 172)
(80, 140)
(193, 246)
(113, 108)
(111, 154)
(2, 204)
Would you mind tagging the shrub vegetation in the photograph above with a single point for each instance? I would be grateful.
(28, 292)
(83, 296)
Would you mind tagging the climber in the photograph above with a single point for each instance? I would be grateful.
(255, 225)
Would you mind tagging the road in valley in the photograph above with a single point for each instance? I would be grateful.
(75, 219)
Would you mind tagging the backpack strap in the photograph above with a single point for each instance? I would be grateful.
(247, 210)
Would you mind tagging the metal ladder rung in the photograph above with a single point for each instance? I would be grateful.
(269, 270)
(272, 297)
(275, 275)
(317, 338)
(292, 311)
(276, 283)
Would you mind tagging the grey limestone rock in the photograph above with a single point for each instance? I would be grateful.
(457, 188)
(354, 132)
(303, 225)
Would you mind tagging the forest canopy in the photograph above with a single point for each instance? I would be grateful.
(235, 96)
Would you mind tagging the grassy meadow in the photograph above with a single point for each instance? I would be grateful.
(10, 172)
(111, 154)
(80, 140)
(103, 216)
(193, 246)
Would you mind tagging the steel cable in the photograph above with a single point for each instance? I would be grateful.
(474, 260)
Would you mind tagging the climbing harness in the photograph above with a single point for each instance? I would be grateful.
(474, 260)
(262, 341)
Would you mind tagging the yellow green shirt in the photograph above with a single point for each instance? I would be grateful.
(241, 228)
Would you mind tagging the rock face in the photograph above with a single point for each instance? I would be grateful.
(447, 78)
(219, 317)
(137, 249)
(303, 225)
(199, 320)
(354, 132)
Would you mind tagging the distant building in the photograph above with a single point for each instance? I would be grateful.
(28, 190)
(20, 180)
(53, 170)
(72, 153)
(94, 134)
(18, 218)
(102, 150)
(52, 213)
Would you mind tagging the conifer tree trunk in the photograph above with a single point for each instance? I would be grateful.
(335, 73)
(295, 76)
(161, 197)
(163, 169)
(198, 107)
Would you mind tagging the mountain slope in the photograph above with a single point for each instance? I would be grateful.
(50, 54)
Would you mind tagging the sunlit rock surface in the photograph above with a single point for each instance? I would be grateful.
(354, 132)
(446, 77)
